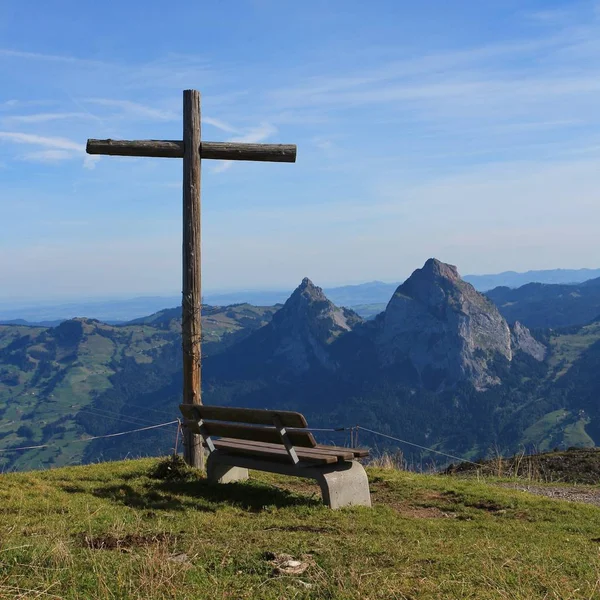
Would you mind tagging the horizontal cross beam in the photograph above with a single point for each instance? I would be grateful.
(214, 150)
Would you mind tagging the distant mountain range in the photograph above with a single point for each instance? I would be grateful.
(442, 366)
(513, 279)
(107, 311)
(378, 292)
(367, 299)
(541, 305)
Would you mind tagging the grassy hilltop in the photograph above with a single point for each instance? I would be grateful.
(115, 530)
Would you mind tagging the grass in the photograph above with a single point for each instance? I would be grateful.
(49, 379)
(113, 531)
(37, 402)
(558, 428)
(568, 348)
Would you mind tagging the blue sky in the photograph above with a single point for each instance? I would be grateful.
(464, 130)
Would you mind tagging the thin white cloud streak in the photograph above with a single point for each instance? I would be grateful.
(557, 16)
(8, 53)
(39, 140)
(131, 109)
(174, 71)
(47, 156)
(219, 124)
(58, 148)
(464, 92)
(254, 136)
(46, 117)
(336, 87)
(127, 107)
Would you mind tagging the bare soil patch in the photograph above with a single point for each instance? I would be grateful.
(418, 508)
(124, 543)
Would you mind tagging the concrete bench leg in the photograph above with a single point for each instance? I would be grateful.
(348, 487)
(217, 472)
(342, 484)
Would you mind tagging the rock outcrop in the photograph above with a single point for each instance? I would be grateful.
(447, 330)
(436, 332)
(299, 335)
(306, 325)
(524, 341)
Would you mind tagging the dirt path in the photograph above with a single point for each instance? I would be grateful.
(587, 495)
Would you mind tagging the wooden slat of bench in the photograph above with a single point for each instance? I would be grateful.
(256, 433)
(242, 415)
(357, 452)
(272, 452)
(339, 453)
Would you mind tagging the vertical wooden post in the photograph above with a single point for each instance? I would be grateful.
(191, 327)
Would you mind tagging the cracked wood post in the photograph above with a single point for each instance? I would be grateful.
(191, 326)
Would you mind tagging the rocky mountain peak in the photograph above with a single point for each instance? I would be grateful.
(307, 292)
(444, 328)
(307, 283)
(309, 310)
(436, 268)
(301, 332)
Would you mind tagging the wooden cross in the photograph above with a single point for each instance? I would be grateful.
(192, 150)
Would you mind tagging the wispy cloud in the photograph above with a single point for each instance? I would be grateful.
(553, 76)
(136, 110)
(38, 140)
(9, 53)
(45, 117)
(8, 104)
(552, 17)
(55, 149)
(128, 108)
(219, 124)
(49, 156)
(254, 136)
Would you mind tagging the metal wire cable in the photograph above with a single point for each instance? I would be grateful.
(107, 414)
(96, 437)
(319, 429)
(419, 446)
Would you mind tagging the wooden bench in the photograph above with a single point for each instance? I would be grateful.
(276, 441)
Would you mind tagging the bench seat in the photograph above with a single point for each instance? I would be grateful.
(239, 439)
(275, 452)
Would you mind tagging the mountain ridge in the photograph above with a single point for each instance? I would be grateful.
(358, 295)
(543, 305)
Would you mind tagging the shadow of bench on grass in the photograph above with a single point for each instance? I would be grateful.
(198, 494)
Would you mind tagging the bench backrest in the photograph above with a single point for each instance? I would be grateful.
(257, 425)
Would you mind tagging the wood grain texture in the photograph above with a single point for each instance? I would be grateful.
(257, 433)
(210, 150)
(191, 327)
(356, 452)
(340, 453)
(256, 416)
(273, 452)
